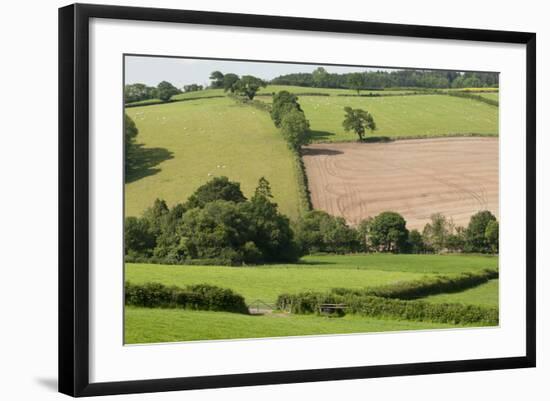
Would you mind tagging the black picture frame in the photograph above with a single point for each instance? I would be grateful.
(74, 199)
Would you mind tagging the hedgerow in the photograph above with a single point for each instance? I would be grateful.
(428, 286)
(472, 96)
(373, 306)
(196, 297)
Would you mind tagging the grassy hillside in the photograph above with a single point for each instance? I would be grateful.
(401, 116)
(165, 325)
(187, 143)
(492, 96)
(485, 294)
(317, 273)
(330, 91)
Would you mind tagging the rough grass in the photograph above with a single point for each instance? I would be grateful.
(184, 142)
(483, 295)
(144, 325)
(315, 273)
(401, 116)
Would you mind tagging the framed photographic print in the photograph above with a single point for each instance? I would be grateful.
(249, 199)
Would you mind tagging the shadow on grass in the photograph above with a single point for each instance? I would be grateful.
(143, 162)
(320, 151)
(313, 262)
(320, 135)
(373, 139)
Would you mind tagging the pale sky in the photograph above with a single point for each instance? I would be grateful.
(181, 71)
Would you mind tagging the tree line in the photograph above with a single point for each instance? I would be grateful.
(247, 85)
(321, 78)
(219, 225)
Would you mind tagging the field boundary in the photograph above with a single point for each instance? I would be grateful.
(155, 102)
(299, 167)
(378, 139)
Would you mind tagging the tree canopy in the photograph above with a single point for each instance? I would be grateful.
(165, 91)
(248, 86)
(218, 188)
(358, 120)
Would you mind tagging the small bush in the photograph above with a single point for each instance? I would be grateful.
(196, 297)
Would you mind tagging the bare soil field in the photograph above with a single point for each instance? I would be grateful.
(416, 178)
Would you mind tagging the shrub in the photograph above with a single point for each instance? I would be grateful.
(197, 297)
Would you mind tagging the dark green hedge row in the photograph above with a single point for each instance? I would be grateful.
(472, 96)
(423, 311)
(375, 94)
(254, 103)
(309, 302)
(305, 196)
(424, 287)
(197, 297)
(298, 94)
(303, 186)
(153, 102)
(137, 258)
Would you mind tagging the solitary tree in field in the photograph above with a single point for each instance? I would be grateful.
(359, 121)
(356, 82)
(248, 85)
(165, 90)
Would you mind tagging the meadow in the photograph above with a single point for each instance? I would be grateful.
(144, 325)
(199, 135)
(485, 295)
(401, 116)
(184, 144)
(314, 273)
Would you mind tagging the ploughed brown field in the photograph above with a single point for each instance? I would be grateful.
(416, 178)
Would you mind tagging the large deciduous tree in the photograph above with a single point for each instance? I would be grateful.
(359, 121)
(475, 234)
(130, 134)
(248, 86)
(216, 78)
(218, 188)
(229, 81)
(388, 232)
(165, 91)
(356, 81)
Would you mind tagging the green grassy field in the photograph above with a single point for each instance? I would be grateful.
(144, 325)
(187, 143)
(485, 295)
(316, 273)
(492, 96)
(330, 91)
(401, 116)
